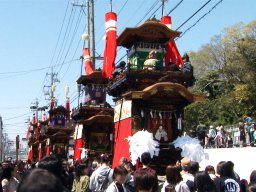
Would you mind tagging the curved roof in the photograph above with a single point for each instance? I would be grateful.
(151, 31)
(164, 90)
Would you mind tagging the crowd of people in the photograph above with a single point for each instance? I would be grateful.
(51, 174)
(218, 137)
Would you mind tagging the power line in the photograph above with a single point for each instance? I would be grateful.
(174, 7)
(200, 19)
(72, 38)
(17, 116)
(25, 72)
(193, 15)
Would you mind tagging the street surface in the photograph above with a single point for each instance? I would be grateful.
(243, 158)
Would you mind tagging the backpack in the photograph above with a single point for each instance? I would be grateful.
(191, 185)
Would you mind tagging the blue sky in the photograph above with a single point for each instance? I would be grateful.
(31, 41)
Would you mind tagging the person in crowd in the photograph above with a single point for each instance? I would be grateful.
(95, 164)
(252, 188)
(189, 169)
(242, 136)
(248, 121)
(221, 138)
(123, 161)
(53, 164)
(243, 185)
(211, 136)
(119, 176)
(81, 180)
(40, 180)
(253, 177)
(173, 178)
(71, 176)
(9, 181)
(146, 160)
(204, 183)
(102, 176)
(144, 181)
(226, 182)
(21, 169)
(129, 181)
(234, 174)
(209, 169)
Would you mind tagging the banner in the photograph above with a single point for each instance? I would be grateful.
(123, 130)
(172, 53)
(124, 108)
(110, 46)
(78, 145)
(88, 65)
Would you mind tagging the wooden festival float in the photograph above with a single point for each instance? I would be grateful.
(150, 92)
(50, 135)
(93, 118)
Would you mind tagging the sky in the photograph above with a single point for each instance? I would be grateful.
(37, 36)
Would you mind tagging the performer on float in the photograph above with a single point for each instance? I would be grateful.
(161, 134)
(152, 60)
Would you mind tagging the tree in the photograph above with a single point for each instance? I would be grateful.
(225, 70)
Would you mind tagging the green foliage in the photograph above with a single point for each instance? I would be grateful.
(225, 70)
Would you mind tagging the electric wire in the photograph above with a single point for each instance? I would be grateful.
(72, 39)
(175, 7)
(193, 14)
(200, 19)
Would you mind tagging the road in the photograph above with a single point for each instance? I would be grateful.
(243, 158)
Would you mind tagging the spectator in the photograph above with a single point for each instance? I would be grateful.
(210, 171)
(211, 136)
(173, 178)
(54, 165)
(119, 176)
(252, 188)
(102, 176)
(9, 181)
(190, 168)
(81, 181)
(204, 183)
(253, 177)
(144, 181)
(146, 160)
(40, 180)
(226, 182)
(129, 181)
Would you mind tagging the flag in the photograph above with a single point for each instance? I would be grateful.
(51, 108)
(87, 62)
(39, 152)
(172, 53)
(44, 117)
(52, 103)
(110, 46)
(34, 120)
(28, 131)
(30, 153)
(67, 109)
(48, 147)
(78, 142)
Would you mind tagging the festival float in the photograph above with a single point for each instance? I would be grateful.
(93, 117)
(50, 135)
(150, 91)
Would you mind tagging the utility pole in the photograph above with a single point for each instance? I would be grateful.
(17, 147)
(90, 27)
(51, 88)
(92, 32)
